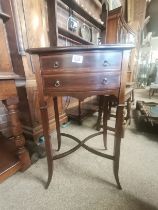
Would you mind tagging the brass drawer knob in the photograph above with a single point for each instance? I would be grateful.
(57, 83)
(106, 63)
(104, 81)
(56, 65)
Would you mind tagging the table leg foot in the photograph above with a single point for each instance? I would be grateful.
(57, 122)
(50, 174)
(117, 143)
(100, 111)
(48, 147)
(116, 171)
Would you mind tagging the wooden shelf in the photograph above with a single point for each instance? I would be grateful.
(73, 36)
(9, 163)
(77, 8)
(4, 16)
(7, 76)
(119, 12)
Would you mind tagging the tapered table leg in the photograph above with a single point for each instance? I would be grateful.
(129, 111)
(105, 119)
(109, 108)
(57, 122)
(79, 112)
(101, 101)
(48, 147)
(117, 143)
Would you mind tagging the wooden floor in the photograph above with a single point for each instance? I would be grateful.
(9, 162)
(7, 159)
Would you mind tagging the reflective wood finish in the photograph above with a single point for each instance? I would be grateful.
(13, 155)
(19, 38)
(82, 80)
(98, 61)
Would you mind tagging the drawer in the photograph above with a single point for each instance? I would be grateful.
(81, 82)
(90, 61)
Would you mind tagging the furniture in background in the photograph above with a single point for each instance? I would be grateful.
(84, 108)
(88, 23)
(118, 31)
(113, 103)
(22, 30)
(153, 89)
(82, 72)
(20, 38)
(13, 155)
(94, 33)
(146, 116)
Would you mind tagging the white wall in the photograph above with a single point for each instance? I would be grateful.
(154, 46)
(154, 43)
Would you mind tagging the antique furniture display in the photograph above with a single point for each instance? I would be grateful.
(147, 116)
(87, 20)
(113, 102)
(18, 40)
(82, 72)
(13, 155)
(92, 27)
(153, 89)
(86, 32)
(27, 20)
(118, 31)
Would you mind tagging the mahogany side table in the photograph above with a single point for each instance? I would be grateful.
(81, 72)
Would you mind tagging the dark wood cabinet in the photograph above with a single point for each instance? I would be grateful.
(118, 31)
(35, 24)
(19, 39)
(13, 155)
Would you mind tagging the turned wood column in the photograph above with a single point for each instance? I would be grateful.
(17, 134)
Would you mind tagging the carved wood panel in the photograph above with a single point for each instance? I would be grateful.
(5, 62)
(36, 23)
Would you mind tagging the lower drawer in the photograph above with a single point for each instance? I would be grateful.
(82, 82)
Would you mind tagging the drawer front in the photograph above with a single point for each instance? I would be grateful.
(98, 61)
(82, 82)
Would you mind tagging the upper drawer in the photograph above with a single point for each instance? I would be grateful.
(90, 61)
(82, 82)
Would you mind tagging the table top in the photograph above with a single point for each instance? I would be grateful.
(80, 48)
